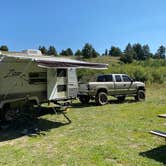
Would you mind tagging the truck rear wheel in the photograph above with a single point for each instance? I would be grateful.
(84, 99)
(101, 98)
(140, 95)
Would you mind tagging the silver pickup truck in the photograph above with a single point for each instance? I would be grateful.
(116, 85)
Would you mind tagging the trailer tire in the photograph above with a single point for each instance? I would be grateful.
(140, 95)
(9, 114)
(101, 98)
(84, 99)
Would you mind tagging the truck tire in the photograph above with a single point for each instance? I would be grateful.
(140, 95)
(121, 98)
(101, 98)
(84, 99)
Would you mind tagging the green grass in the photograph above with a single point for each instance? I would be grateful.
(114, 134)
(149, 71)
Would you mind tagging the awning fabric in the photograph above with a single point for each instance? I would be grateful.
(54, 62)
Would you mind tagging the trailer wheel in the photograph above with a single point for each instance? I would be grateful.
(29, 110)
(101, 98)
(140, 95)
(84, 99)
(8, 114)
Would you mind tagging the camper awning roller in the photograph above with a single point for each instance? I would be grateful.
(55, 62)
(78, 64)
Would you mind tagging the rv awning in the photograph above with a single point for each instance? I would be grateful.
(54, 62)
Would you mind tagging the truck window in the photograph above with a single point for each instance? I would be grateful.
(126, 78)
(109, 78)
(101, 79)
(118, 78)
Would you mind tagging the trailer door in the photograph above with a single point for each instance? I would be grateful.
(56, 84)
(51, 84)
(72, 83)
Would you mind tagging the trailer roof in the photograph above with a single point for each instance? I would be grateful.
(50, 61)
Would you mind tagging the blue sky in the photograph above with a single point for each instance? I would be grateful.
(72, 23)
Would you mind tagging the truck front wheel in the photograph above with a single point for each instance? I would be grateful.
(84, 99)
(101, 98)
(140, 95)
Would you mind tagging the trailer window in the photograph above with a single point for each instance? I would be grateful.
(61, 88)
(37, 77)
(61, 72)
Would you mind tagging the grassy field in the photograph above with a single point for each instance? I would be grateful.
(114, 134)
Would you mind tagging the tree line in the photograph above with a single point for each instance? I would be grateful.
(136, 52)
(128, 55)
(86, 52)
(131, 52)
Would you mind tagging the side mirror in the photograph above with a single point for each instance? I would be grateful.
(132, 79)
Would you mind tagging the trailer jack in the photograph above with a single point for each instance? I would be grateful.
(63, 112)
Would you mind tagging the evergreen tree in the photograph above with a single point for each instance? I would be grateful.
(88, 51)
(78, 53)
(95, 53)
(161, 52)
(146, 51)
(63, 53)
(139, 52)
(69, 52)
(4, 48)
(129, 53)
(52, 51)
(115, 51)
(106, 52)
(43, 50)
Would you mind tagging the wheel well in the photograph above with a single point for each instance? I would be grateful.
(102, 90)
(141, 88)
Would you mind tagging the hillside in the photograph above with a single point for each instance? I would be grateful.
(149, 71)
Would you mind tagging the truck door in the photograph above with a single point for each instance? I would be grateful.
(56, 84)
(119, 84)
(72, 85)
(128, 84)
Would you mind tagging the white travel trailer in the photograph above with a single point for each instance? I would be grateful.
(31, 76)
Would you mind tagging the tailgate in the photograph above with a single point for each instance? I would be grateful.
(83, 88)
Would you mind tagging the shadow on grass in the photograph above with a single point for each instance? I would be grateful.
(80, 105)
(158, 154)
(93, 104)
(29, 126)
(122, 102)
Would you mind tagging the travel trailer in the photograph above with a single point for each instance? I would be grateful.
(36, 78)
